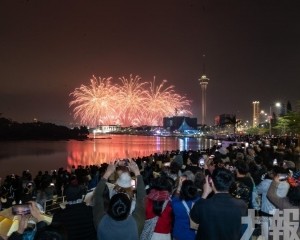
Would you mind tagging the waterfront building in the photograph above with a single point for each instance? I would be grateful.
(223, 119)
(106, 129)
(174, 123)
(224, 122)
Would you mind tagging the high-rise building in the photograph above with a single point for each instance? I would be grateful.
(256, 113)
(203, 83)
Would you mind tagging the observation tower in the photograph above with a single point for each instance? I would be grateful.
(203, 83)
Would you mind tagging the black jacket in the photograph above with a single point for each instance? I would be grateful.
(219, 217)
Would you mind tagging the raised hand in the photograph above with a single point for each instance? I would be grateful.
(111, 168)
(207, 187)
(22, 223)
(35, 212)
(133, 167)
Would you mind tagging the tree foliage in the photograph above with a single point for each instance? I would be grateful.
(10, 130)
(290, 123)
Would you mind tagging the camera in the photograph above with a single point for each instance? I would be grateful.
(20, 209)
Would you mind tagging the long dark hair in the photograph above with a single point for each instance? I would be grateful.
(157, 207)
(188, 190)
(161, 183)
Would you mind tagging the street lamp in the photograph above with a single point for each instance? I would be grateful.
(266, 117)
(277, 105)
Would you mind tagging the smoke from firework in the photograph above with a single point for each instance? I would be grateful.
(131, 103)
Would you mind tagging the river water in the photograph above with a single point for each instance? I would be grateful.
(16, 157)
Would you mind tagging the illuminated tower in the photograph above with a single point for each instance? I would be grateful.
(203, 83)
(255, 113)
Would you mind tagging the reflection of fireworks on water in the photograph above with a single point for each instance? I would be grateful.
(133, 102)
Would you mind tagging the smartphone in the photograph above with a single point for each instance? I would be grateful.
(167, 164)
(275, 162)
(20, 209)
(126, 162)
(283, 177)
(133, 183)
(209, 180)
(123, 162)
(201, 162)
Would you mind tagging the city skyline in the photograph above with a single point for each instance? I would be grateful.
(49, 48)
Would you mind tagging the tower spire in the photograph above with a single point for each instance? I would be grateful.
(203, 64)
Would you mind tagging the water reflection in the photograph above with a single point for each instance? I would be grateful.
(118, 147)
(195, 143)
(42, 155)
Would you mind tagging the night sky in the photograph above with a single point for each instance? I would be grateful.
(50, 47)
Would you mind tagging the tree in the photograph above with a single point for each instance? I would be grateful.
(253, 131)
(283, 125)
(291, 122)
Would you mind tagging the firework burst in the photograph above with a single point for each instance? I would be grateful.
(130, 103)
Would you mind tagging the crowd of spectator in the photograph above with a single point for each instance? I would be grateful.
(173, 195)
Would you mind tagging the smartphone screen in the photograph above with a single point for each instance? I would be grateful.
(210, 180)
(133, 183)
(167, 164)
(21, 209)
(201, 162)
(283, 177)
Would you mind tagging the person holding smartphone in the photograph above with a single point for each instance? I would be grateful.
(291, 201)
(116, 222)
(212, 214)
(43, 230)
